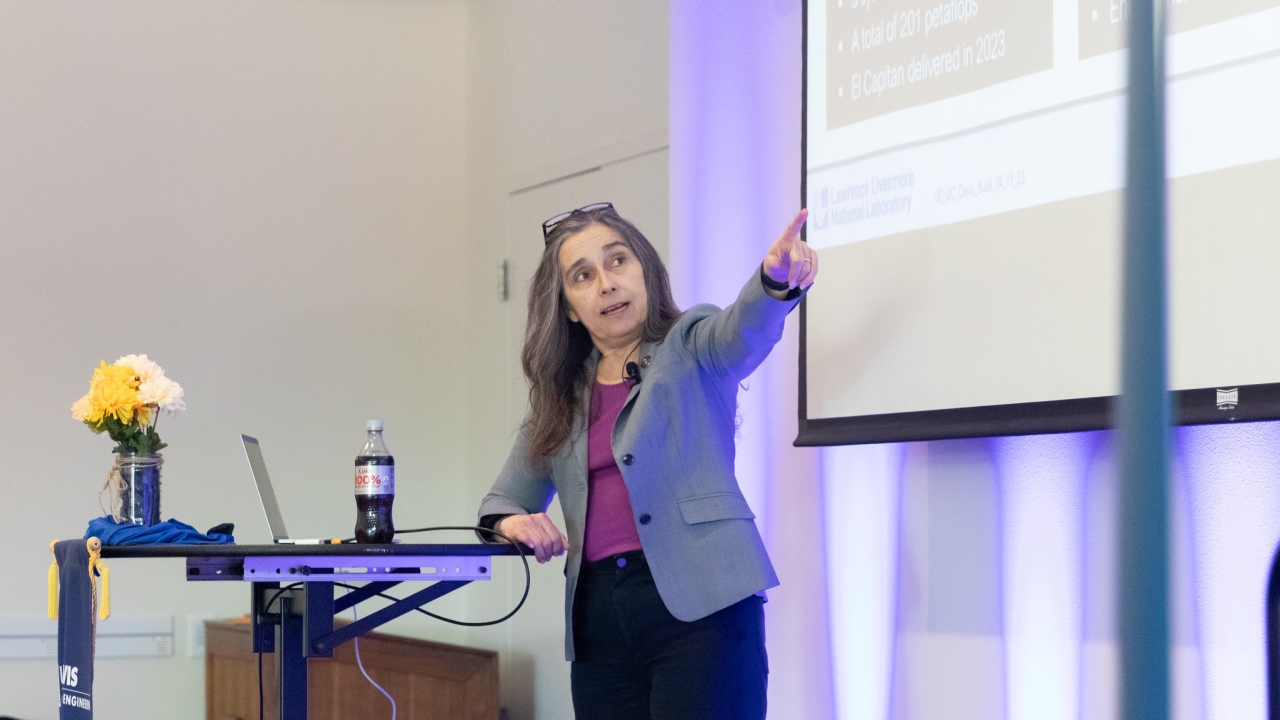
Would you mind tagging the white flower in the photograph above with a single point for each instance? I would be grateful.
(163, 393)
(142, 367)
(81, 408)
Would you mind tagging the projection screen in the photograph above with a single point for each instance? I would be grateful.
(964, 174)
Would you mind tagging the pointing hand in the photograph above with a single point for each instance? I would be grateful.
(791, 260)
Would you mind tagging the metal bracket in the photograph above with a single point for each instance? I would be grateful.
(358, 596)
(327, 643)
(215, 568)
(337, 568)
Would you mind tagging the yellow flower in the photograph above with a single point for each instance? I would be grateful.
(113, 373)
(113, 392)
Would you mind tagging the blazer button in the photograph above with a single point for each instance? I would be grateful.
(627, 459)
(644, 519)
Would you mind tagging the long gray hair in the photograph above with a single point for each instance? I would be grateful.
(556, 348)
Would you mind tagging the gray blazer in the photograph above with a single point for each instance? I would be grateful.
(674, 443)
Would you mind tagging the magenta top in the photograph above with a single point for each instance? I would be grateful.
(611, 525)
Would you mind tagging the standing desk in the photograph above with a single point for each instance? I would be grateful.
(296, 623)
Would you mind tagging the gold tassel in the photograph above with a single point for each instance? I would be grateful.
(53, 585)
(103, 599)
(104, 610)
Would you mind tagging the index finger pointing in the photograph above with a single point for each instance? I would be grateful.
(793, 230)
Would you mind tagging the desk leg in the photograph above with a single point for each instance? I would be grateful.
(319, 617)
(292, 663)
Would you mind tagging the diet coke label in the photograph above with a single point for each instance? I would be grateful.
(375, 479)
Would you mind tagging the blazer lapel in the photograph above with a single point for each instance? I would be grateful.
(644, 355)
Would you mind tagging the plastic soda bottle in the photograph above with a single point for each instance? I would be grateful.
(375, 488)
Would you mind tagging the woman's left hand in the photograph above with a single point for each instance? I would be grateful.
(791, 260)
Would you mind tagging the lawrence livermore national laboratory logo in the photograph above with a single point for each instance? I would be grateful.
(823, 215)
(1228, 399)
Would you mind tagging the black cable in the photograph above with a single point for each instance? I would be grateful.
(524, 559)
(528, 577)
(259, 629)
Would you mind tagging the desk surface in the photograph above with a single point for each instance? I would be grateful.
(241, 551)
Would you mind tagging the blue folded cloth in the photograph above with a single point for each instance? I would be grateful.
(169, 532)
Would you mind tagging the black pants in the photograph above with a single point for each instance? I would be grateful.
(635, 661)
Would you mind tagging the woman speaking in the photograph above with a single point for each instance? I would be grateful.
(632, 421)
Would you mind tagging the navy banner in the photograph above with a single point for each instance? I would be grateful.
(75, 631)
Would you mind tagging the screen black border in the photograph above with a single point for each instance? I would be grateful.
(1189, 407)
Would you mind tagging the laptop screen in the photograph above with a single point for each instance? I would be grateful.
(265, 493)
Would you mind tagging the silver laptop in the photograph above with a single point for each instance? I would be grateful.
(268, 496)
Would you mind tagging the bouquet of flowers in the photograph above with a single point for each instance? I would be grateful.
(125, 400)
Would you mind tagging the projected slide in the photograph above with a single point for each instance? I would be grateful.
(965, 173)
(893, 55)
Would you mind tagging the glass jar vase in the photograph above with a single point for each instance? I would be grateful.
(135, 496)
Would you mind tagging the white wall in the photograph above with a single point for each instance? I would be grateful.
(267, 199)
(297, 209)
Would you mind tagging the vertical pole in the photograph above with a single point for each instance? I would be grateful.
(292, 662)
(1143, 410)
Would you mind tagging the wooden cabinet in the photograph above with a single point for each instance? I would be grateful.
(429, 680)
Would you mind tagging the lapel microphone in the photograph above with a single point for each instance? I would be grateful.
(633, 372)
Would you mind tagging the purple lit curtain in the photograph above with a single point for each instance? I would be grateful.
(980, 579)
(960, 579)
